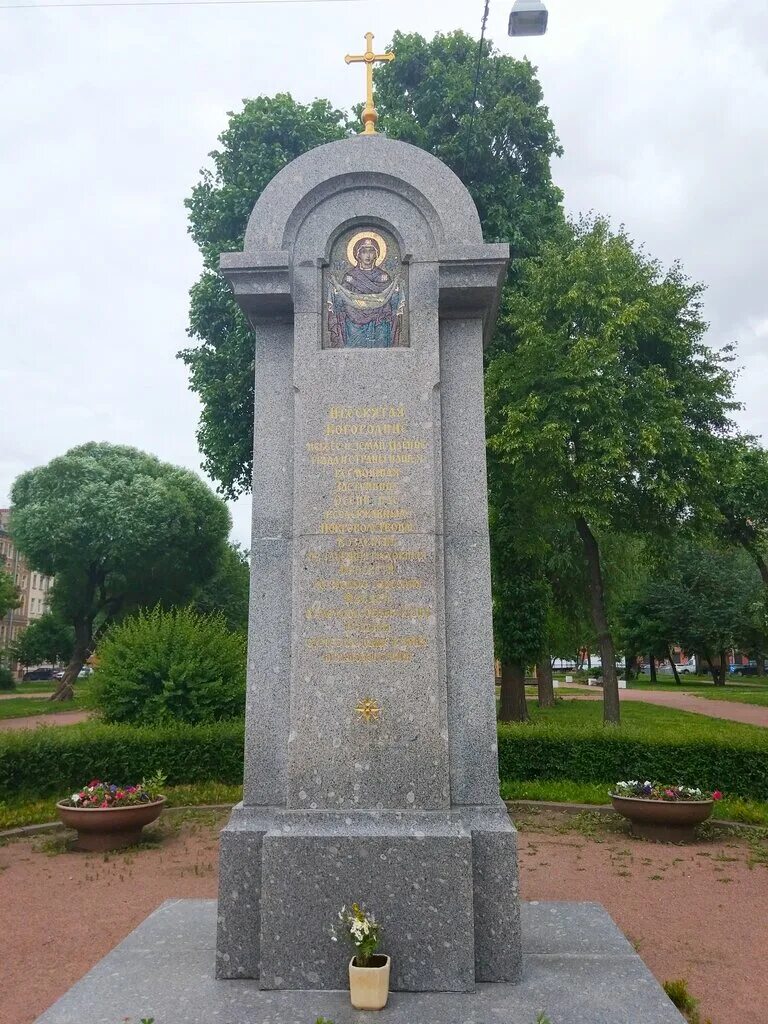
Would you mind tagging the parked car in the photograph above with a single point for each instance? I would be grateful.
(84, 672)
(59, 673)
(743, 670)
(666, 669)
(35, 675)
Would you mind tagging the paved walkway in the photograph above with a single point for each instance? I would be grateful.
(750, 714)
(32, 721)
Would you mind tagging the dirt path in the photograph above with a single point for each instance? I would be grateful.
(697, 912)
(750, 714)
(25, 696)
(32, 721)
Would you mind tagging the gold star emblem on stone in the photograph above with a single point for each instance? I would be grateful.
(368, 710)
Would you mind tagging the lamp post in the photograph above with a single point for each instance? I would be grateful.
(528, 18)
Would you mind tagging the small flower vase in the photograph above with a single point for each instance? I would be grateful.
(369, 986)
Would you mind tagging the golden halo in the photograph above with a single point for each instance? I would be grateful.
(366, 234)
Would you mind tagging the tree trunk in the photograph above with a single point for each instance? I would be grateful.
(513, 704)
(545, 683)
(723, 669)
(629, 674)
(675, 673)
(611, 710)
(759, 562)
(589, 661)
(83, 641)
(760, 662)
(652, 660)
(718, 676)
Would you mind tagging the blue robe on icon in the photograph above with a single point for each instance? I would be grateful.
(365, 309)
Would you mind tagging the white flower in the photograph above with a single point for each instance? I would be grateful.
(75, 798)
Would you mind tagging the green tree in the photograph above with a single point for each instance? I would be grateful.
(118, 529)
(741, 497)
(709, 600)
(424, 97)
(266, 135)
(226, 592)
(609, 399)
(9, 593)
(47, 639)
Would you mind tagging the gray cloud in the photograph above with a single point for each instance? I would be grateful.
(109, 114)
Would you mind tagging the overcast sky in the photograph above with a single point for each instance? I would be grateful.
(108, 115)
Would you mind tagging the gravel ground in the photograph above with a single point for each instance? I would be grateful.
(698, 912)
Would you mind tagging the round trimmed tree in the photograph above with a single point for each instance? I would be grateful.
(119, 529)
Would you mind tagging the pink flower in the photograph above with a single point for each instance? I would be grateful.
(717, 795)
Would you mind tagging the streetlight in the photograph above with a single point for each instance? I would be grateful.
(528, 18)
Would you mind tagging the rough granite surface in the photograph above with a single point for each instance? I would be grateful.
(577, 968)
(370, 589)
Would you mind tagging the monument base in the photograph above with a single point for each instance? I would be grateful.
(442, 884)
(577, 969)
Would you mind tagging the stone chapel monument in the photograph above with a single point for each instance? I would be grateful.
(371, 763)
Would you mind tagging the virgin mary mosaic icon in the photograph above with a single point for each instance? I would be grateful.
(367, 292)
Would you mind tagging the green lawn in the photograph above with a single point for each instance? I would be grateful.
(45, 686)
(741, 696)
(20, 811)
(23, 707)
(730, 808)
(641, 720)
(697, 683)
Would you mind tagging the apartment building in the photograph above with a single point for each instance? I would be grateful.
(34, 587)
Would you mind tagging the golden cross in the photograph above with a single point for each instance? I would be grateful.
(369, 58)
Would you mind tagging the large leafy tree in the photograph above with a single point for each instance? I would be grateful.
(118, 529)
(708, 599)
(47, 639)
(608, 401)
(425, 97)
(260, 140)
(741, 498)
(226, 592)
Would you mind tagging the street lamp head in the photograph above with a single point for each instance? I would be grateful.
(528, 18)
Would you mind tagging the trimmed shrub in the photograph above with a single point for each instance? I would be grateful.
(7, 682)
(53, 761)
(161, 666)
(552, 751)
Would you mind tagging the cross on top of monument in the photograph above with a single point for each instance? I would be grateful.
(369, 58)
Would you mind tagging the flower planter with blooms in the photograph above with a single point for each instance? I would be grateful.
(368, 971)
(664, 812)
(109, 817)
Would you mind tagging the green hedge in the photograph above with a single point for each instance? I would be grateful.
(545, 751)
(732, 758)
(55, 760)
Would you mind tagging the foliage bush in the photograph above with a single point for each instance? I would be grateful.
(179, 665)
(7, 682)
(54, 760)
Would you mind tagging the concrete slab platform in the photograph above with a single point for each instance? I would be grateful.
(578, 968)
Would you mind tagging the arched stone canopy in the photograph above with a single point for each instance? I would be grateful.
(367, 180)
(396, 167)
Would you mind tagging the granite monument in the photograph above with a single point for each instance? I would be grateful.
(371, 762)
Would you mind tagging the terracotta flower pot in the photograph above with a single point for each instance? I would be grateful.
(670, 821)
(369, 986)
(109, 828)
